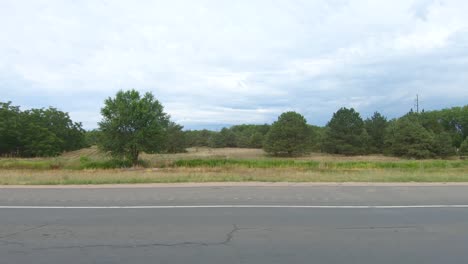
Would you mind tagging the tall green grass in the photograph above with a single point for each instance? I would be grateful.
(50, 164)
(87, 163)
(274, 163)
(107, 163)
(245, 163)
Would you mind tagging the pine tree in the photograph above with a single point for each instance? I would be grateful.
(375, 127)
(287, 136)
(344, 133)
(408, 138)
(443, 145)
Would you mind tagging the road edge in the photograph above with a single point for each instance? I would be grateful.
(236, 184)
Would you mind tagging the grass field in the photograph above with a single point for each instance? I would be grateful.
(88, 166)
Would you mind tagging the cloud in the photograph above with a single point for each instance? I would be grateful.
(223, 62)
(421, 8)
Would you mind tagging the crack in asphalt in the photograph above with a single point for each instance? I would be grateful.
(225, 242)
(22, 231)
(7, 243)
(376, 227)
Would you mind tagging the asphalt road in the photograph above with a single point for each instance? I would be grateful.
(95, 233)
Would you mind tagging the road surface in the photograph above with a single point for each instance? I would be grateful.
(301, 224)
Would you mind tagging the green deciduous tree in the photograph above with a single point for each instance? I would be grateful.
(10, 128)
(249, 136)
(224, 138)
(451, 120)
(92, 137)
(256, 140)
(175, 141)
(37, 132)
(240, 136)
(39, 141)
(345, 133)
(199, 138)
(59, 123)
(131, 124)
(289, 135)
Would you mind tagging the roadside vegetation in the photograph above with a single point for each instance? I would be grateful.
(91, 166)
(137, 142)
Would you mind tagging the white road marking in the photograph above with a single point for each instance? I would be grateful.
(236, 206)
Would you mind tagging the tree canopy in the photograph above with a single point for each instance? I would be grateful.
(131, 124)
(408, 138)
(375, 127)
(175, 139)
(288, 136)
(345, 133)
(37, 132)
(238, 136)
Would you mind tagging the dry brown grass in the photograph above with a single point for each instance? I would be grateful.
(325, 171)
(209, 153)
(246, 153)
(72, 159)
(229, 174)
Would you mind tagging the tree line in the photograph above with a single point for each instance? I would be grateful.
(428, 134)
(133, 123)
(37, 132)
(239, 136)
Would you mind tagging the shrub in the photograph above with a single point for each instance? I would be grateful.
(87, 163)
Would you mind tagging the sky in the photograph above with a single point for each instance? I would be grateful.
(215, 63)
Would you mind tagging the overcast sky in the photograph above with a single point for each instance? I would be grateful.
(215, 63)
